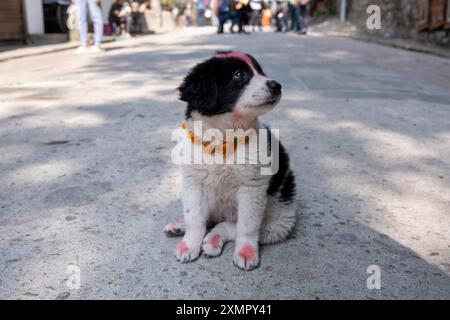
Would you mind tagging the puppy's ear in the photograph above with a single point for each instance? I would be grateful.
(199, 88)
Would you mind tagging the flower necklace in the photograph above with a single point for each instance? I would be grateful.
(226, 148)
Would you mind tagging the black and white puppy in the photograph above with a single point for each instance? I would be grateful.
(234, 202)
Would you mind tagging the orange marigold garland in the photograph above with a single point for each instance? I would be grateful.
(211, 148)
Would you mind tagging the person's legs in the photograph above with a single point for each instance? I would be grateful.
(304, 12)
(292, 14)
(124, 24)
(301, 21)
(115, 24)
(240, 21)
(128, 22)
(259, 20)
(82, 21)
(255, 20)
(278, 22)
(222, 19)
(200, 17)
(234, 21)
(296, 19)
(97, 19)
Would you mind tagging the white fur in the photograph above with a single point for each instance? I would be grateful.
(254, 98)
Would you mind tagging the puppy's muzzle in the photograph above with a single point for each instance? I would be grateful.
(274, 87)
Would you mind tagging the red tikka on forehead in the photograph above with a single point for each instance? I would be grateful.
(238, 55)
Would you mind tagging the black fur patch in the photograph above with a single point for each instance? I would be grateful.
(284, 180)
(212, 87)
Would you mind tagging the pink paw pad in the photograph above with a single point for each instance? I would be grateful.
(182, 247)
(247, 252)
(215, 241)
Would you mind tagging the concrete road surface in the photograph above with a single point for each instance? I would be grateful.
(87, 184)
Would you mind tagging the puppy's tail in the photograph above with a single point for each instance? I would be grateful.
(279, 221)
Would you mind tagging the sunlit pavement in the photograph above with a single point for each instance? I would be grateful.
(87, 184)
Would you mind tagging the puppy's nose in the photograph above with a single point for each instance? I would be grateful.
(274, 86)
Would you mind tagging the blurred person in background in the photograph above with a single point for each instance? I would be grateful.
(255, 16)
(281, 15)
(293, 12)
(304, 6)
(214, 7)
(286, 15)
(97, 18)
(188, 14)
(266, 16)
(226, 12)
(139, 23)
(120, 17)
(278, 16)
(201, 7)
(242, 14)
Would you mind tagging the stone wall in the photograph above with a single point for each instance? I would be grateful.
(398, 19)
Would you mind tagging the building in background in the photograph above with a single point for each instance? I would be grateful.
(45, 21)
(15, 22)
(31, 20)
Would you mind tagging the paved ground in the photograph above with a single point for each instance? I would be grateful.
(86, 177)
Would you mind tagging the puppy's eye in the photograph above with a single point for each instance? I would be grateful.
(238, 75)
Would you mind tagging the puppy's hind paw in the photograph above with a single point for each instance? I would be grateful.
(212, 245)
(246, 257)
(184, 253)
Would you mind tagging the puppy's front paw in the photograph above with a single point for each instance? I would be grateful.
(246, 256)
(185, 253)
(212, 245)
(175, 228)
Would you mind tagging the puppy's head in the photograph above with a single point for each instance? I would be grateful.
(229, 82)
